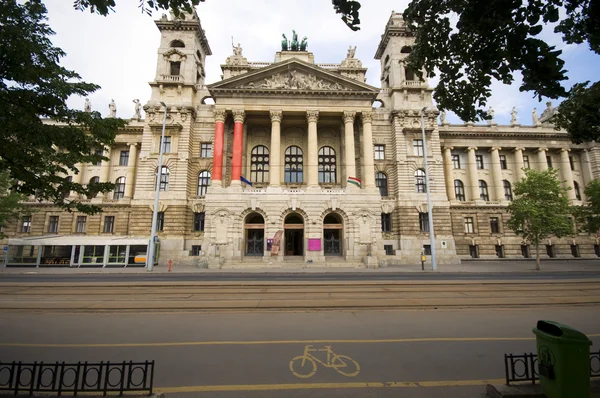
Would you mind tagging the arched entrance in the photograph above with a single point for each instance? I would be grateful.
(254, 226)
(332, 234)
(293, 227)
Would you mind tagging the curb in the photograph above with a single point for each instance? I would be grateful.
(528, 390)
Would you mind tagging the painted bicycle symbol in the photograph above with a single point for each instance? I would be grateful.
(305, 366)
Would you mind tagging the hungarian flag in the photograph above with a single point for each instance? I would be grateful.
(354, 180)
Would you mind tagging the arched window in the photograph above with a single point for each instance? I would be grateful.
(327, 165)
(177, 44)
(119, 191)
(577, 191)
(420, 180)
(459, 190)
(259, 164)
(164, 178)
(294, 165)
(92, 187)
(203, 182)
(405, 50)
(483, 191)
(381, 183)
(507, 190)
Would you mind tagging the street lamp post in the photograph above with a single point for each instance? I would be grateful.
(429, 207)
(152, 244)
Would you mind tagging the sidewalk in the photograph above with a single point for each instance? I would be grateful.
(468, 266)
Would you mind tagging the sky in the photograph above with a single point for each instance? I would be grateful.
(119, 52)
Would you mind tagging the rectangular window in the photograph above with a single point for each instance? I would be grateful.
(196, 250)
(550, 251)
(549, 161)
(199, 221)
(206, 150)
(418, 147)
(109, 224)
(167, 144)
(175, 68)
(456, 161)
(525, 251)
(572, 162)
(474, 251)
(26, 224)
(160, 221)
(124, 158)
(469, 225)
(389, 250)
(503, 164)
(479, 161)
(53, 224)
(526, 162)
(575, 251)
(424, 222)
(494, 225)
(80, 227)
(116, 254)
(500, 251)
(427, 250)
(386, 222)
(99, 152)
(93, 254)
(379, 152)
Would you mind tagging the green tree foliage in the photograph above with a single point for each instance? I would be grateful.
(105, 7)
(579, 113)
(41, 139)
(540, 210)
(10, 202)
(588, 216)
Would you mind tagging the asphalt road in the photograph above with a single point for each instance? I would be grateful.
(291, 276)
(422, 353)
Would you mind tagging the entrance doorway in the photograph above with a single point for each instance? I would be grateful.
(255, 235)
(332, 235)
(294, 235)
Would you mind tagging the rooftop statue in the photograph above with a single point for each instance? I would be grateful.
(284, 43)
(351, 52)
(303, 43)
(293, 45)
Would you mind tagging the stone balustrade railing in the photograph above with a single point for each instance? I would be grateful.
(329, 66)
(171, 78)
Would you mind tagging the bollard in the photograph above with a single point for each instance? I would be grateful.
(170, 264)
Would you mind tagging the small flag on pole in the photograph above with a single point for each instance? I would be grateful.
(246, 181)
(354, 180)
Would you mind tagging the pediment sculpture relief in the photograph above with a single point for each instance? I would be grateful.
(295, 80)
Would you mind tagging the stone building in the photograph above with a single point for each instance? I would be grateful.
(302, 163)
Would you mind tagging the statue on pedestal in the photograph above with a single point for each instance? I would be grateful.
(138, 109)
(304, 43)
(351, 52)
(294, 41)
(87, 107)
(284, 43)
(112, 107)
(535, 118)
(513, 116)
(491, 114)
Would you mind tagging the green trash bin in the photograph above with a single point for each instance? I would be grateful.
(563, 360)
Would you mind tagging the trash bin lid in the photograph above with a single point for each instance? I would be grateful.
(560, 332)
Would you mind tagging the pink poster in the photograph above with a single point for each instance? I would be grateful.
(314, 245)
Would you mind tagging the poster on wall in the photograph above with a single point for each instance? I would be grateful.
(276, 241)
(314, 244)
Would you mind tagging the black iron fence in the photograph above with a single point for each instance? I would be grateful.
(73, 378)
(524, 367)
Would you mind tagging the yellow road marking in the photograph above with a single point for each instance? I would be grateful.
(273, 342)
(304, 386)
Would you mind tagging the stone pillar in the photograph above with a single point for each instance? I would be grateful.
(542, 161)
(567, 173)
(472, 170)
(349, 157)
(519, 163)
(588, 176)
(275, 153)
(368, 154)
(497, 174)
(78, 178)
(217, 174)
(105, 167)
(448, 173)
(131, 169)
(238, 131)
(313, 149)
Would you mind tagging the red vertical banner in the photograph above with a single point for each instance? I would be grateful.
(217, 173)
(236, 161)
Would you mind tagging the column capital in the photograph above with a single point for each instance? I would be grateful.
(448, 148)
(349, 116)
(238, 115)
(312, 116)
(132, 144)
(542, 150)
(519, 148)
(565, 149)
(472, 148)
(276, 115)
(367, 117)
(495, 148)
(220, 115)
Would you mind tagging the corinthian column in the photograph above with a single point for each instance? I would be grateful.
(368, 154)
(131, 169)
(448, 173)
(313, 149)
(275, 153)
(349, 145)
(497, 174)
(238, 131)
(567, 173)
(217, 174)
(472, 167)
(519, 163)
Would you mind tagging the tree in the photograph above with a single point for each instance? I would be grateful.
(105, 7)
(10, 202)
(540, 210)
(41, 138)
(588, 216)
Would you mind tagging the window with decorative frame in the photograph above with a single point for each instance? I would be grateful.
(424, 222)
(381, 183)
(53, 224)
(109, 224)
(327, 165)
(420, 183)
(507, 190)
(26, 224)
(203, 182)
(418, 149)
(494, 225)
(119, 191)
(124, 158)
(160, 221)
(92, 187)
(526, 165)
(459, 190)
(503, 163)
(199, 222)
(81, 223)
(164, 178)
(294, 165)
(379, 151)
(456, 161)
(469, 225)
(259, 164)
(483, 190)
(386, 222)
(206, 150)
(479, 162)
(166, 144)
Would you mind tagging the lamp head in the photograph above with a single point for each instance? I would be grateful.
(163, 104)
